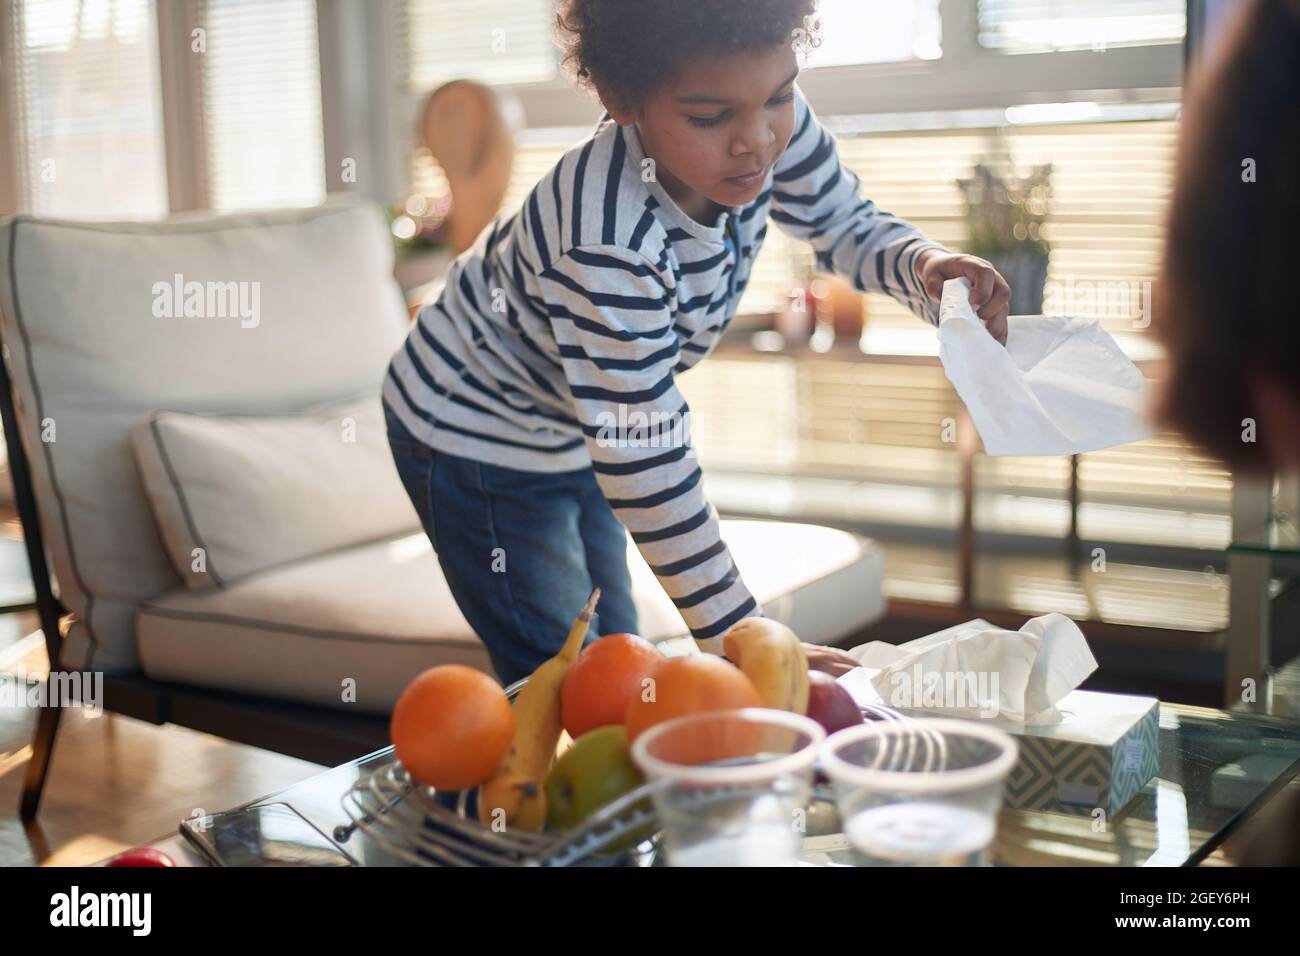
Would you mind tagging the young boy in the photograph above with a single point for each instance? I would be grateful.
(511, 408)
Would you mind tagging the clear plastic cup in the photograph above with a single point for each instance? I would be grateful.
(919, 792)
(732, 786)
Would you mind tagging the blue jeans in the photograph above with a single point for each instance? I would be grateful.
(521, 550)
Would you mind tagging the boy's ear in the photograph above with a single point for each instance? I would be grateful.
(622, 114)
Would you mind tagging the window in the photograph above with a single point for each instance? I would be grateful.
(259, 70)
(512, 43)
(1110, 182)
(87, 108)
(1044, 26)
(534, 156)
(877, 31)
(826, 418)
(865, 444)
(494, 41)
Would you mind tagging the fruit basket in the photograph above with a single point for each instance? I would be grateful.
(425, 828)
(422, 827)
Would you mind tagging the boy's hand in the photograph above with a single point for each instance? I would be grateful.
(830, 660)
(990, 295)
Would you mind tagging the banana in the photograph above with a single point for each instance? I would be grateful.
(512, 801)
(772, 657)
(516, 788)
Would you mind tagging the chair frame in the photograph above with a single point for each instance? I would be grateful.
(317, 734)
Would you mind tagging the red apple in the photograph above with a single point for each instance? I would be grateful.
(830, 704)
(141, 856)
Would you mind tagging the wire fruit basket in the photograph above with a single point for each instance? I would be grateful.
(420, 826)
(423, 827)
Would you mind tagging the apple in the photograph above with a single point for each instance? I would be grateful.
(141, 856)
(594, 771)
(830, 704)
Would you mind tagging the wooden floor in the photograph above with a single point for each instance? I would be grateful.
(117, 782)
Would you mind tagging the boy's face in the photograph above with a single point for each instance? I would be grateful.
(717, 130)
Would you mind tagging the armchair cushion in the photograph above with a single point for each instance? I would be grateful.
(235, 494)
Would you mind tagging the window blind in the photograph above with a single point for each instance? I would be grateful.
(88, 109)
(826, 437)
(1043, 26)
(825, 418)
(493, 41)
(533, 159)
(260, 96)
(1110, 184)
(878, 425)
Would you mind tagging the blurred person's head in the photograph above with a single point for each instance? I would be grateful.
(708, 83)
(1225, 308)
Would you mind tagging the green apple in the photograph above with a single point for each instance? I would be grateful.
(594, 771)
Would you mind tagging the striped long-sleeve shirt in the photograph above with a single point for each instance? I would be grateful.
(556, 343)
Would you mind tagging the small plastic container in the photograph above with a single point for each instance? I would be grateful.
(921, 792)
(731, 787)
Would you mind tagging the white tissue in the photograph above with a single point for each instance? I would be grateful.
(977, 670)
(1061, 386)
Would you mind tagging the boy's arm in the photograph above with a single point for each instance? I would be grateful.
(815, 198)
(610, 311)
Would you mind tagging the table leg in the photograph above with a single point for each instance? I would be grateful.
(1247, 657)
(966, 442)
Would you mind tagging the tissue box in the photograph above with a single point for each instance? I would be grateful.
(1097, 756)
(1103, 752)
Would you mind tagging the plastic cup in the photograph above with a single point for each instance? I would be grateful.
(919, 792)
(731, 786)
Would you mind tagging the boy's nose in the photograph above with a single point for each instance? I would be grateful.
(757, 140)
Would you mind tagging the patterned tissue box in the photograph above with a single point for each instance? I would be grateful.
(1099, 756)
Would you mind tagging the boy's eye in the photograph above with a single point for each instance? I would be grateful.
(707, 121)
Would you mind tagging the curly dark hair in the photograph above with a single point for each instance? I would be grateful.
(1224, 310)
(633, 48)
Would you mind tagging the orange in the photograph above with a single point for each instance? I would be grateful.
(451, 727)
(689, 685)
(606, 675)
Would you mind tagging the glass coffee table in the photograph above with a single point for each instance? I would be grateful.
(1217, 768)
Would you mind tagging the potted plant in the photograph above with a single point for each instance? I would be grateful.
(420, 239)
(1004, 220)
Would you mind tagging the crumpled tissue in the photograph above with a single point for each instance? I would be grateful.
(1061, 386)
(977, 670)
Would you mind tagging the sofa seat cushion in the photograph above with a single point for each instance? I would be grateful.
(350, 629)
